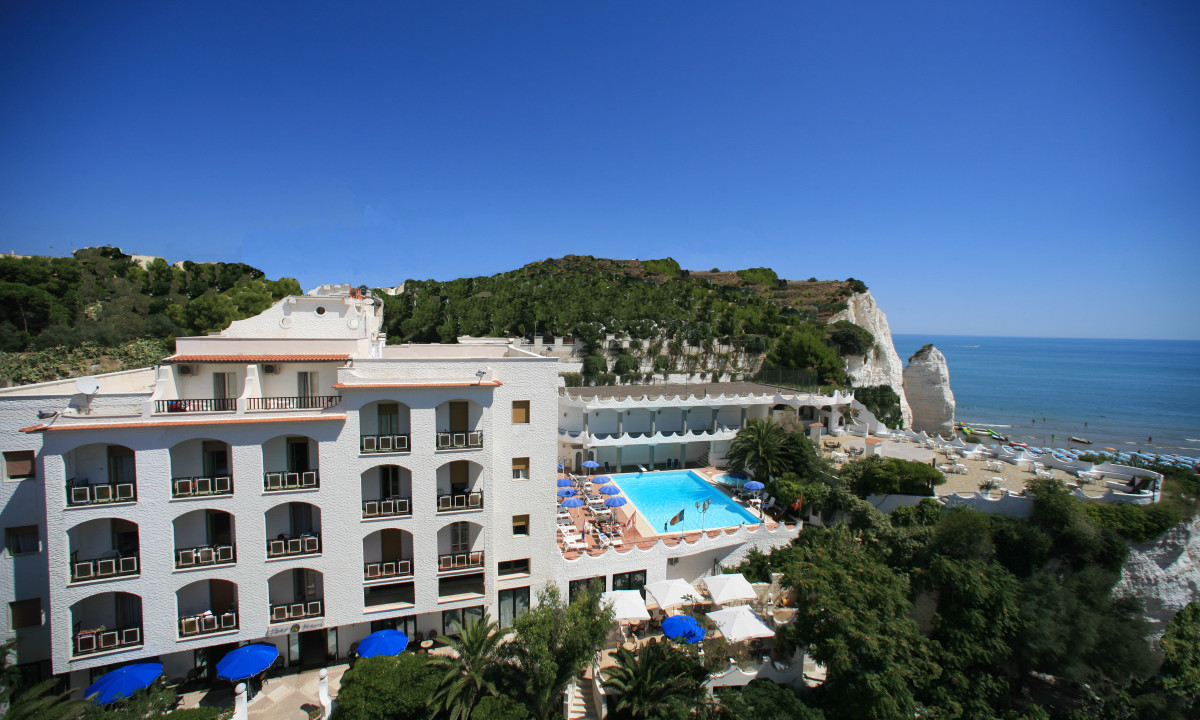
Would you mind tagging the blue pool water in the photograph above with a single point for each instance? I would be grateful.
(659, 496)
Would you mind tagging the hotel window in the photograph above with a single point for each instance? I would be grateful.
(18, 464)
(512, 567)
(389, 418)
(22, 539)
(460, 536)
(520, 411)
(513, 604)
(630, 581)
(307, 384)
(121, 466)
(520, 526)
(453, 620)
(406, 625)
(520, 468)
(225, 385)
(25, 613)
(577, 586)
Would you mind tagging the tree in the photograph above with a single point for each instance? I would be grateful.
(878, 475)
(648, 683)
(552, 643)
(471, 674)
(387, 687)
(1180, 673)
(762, 447)
(764, 700)
(40, 702)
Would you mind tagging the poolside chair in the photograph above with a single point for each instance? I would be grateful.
(607, 469)
(641, 469)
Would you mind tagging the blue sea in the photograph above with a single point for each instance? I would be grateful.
(1128, 394)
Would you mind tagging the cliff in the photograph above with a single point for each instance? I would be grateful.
(881, 366)
(1164, 574)
(927, 388)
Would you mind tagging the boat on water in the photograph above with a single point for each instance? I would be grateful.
(1081, 441)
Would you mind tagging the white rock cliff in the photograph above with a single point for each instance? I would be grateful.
(1165, 574)
(882, 365)
(927, 387)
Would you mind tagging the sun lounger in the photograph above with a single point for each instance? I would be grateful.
(641, 469)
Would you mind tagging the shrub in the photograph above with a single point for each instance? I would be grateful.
(761, 275)
(397, 687)
(850, 338)
(1133, 522)
(594, 365)
(857, 286)
(884, 476)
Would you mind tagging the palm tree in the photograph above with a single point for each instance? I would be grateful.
(40, 702)
(649, 683)
(763, 448)
(471, 673)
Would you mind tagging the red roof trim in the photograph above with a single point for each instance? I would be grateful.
(182, 423)
(254, 358)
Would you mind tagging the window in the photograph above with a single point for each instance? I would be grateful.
(389, 481)
(520, 411)
(225, 385)
(520, 468)
(18, 465)
(520, 526)
(453, 620)
(513, 567)
(630, 581)
(389, 418)
(460, 536)
(306, 384)
(406, 625)
(577, 586)
(121, 467)
(513, 604)
(20, 540)
(25, 613)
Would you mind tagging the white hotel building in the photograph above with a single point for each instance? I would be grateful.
(295, 479)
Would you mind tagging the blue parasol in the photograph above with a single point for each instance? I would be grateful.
(383, 642)
(123, 682)
(601, 479)
(573, 502)
(564, 482)
(610, 490)
(615, 501)
(590, 464)
(247, 661)
(566, 492)
(683, 626)
(753, 485)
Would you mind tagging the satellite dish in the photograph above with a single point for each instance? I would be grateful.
(87, 385)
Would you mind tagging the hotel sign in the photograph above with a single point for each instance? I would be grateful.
(296, 627)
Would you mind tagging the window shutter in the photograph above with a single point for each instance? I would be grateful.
(520, 411)
(19, 464)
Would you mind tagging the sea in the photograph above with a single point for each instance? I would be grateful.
(1126, 394)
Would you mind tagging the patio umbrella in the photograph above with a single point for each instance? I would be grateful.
(740, 623)
(753, 485)
(610, 490)
(602, 479)
(123, 682)
(672, 593)
(564, 482)
(729, 588)
(383, 642)
(589, 464)
(628, 605)
(573, 502)
(615, 501)
(683, 626)
(566, 492)
(246, 661)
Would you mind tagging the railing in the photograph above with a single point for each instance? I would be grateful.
(449, 502)
(205, 555)
(196, 405)
(384, 444)
(93, 641)
(303, 545)
(277, 480)
(79, 493)
(300, 402)
(391, 507)
(392, 568)
(460, 560)
(183, 487)
(460, 440)
(297, 610)
(207, 623)
(102, 568)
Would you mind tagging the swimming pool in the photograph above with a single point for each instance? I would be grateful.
(659, 496)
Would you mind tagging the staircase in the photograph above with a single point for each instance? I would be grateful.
(580, 705)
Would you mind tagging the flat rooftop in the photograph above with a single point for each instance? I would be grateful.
(621, 392)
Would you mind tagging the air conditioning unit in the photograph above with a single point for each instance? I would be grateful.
(271, 369)
(189, 370)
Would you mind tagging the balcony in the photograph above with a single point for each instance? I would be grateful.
(207, 623)
(470, 440)
(392, 507)
(204, 556)
(105, 568)
(291, 546)
(465, 560)
(87, 642)
(391, 569)
(371, 444)
(186, 487)
(297, 611)
(206, 405)
(82, 493)
(449, 502)
(301, 402)
(278, 480)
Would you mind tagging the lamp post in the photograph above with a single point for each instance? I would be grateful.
(703, 508)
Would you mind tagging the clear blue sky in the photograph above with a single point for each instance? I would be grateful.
(1000, 168)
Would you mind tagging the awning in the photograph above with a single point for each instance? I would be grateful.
(729, 588)
(628, 605)
(672, 593)
(740, 623)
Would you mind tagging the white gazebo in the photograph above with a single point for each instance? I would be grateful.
(725, 589)
(628, 605)
(740, 623)
(668, 594)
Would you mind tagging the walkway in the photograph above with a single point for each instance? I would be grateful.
(285, 697)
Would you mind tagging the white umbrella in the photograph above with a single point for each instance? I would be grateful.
(729, 588)
(740, 623)
(628, 605)
(672, 593)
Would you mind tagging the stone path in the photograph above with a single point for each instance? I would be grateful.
(287, 697)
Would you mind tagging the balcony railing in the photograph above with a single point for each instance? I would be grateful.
(196, 405)
(207, 623)
(301, 402)
(277, 480)
(286, 546)
(205, 555)
(384, 444)
(389, 569)
(297, 610)
(460, 560)
(392, 507)
(448, 502)
(81, 493)
(185, 487)
(103, 568)
(460, 440)
(87, 642)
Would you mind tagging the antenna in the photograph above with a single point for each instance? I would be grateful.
(87, 385)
